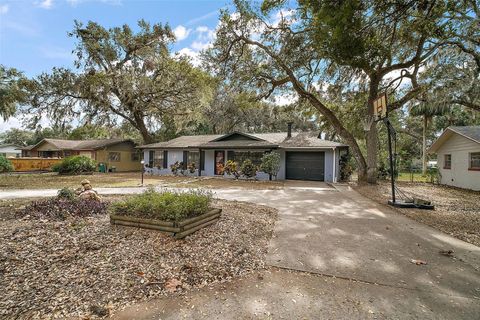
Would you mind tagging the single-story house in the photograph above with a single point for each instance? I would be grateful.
(303, 155)
(114, 154)
(10, 150)
(458, 156)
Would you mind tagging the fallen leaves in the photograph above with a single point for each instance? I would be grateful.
(85, 267)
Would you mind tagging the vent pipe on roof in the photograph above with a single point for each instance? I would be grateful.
(289, 131)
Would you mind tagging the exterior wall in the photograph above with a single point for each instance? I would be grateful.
(125, 164)
(459, 175)
(177, 155)
(9, 151)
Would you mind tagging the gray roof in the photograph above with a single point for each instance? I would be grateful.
(268, 140)
(471, 132)
(61, 144)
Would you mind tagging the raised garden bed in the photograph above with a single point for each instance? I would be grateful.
(177, 229)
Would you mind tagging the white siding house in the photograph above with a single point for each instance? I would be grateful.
(303, 156)
(10, 150)
(458, 156)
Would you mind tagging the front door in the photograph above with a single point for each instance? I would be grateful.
(219, 162)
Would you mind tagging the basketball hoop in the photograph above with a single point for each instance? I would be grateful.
(380, 107)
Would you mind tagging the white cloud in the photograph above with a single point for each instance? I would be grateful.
(9, 124)
(197, 45)
(45, 4)
(4, 8)
(181, 32)
(194, 56)
(285, 99)
(201, 18)
(202, 29)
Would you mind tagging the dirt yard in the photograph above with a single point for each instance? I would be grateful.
(457, 211)
(85, 267)
(125, 179)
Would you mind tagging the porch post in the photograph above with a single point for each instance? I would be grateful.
(200, 162)
(334, 167)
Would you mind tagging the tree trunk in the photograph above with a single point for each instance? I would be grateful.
(424, 145)
(140, 124)
(371, 136)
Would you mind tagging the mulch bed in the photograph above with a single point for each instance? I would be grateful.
(457, 211)
(85, 267)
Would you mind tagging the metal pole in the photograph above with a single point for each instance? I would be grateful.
(390, 152)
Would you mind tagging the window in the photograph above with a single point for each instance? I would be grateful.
(114, 156)
(447, 161)
(240, 156)
(158, 159)
(474, 161)
(136, 156)
(194, 157)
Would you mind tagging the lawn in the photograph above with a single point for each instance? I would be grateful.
(126, 179)
(456, 210)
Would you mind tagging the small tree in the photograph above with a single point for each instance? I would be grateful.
(249, 170)
(271, 164)
(5, 164)
(346, 166)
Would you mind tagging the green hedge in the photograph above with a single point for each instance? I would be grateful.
(166, 205)
(75, 165)
(5, 164)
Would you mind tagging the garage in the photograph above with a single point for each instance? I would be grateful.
(305, 166)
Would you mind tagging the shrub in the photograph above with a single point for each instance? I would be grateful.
(61, 208)
(5, 164)
(75, 165)
(271, 164)
(249, 170)
(166, 205)
(231, 168)
(191, 167)
(176, 166)
(66, 193)
(346, 166)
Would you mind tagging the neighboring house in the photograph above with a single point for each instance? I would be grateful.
(303, 155)
(10, 150)
(114, 154)
(458, 156)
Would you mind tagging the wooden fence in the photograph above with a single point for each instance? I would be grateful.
(34, 164)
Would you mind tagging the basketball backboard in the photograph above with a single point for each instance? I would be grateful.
(380, 107)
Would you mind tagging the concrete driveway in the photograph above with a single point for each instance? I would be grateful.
(355, 257)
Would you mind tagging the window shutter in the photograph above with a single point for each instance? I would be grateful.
(230, 155)
(202, 160)
(165, 159)
(151, 156)
(185, 159)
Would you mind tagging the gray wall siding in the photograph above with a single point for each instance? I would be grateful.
(177, 155)
(459, 175)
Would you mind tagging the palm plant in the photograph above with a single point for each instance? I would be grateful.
(427, 111)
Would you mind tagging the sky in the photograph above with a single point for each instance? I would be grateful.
(33, 33)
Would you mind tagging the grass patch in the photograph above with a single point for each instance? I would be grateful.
(166, 205)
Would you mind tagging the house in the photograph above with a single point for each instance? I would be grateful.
(114, 154)
(10, 151)
(458, 156)
(303, 155)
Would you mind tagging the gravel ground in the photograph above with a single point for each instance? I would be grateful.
(85, 267)
(457, 211)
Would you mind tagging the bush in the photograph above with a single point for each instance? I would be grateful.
(271, 164)
(346, 166)
(231, 168)
(166, 206)
(176, 166)
(61, 208)
(5, 165)
(75, 165)
(249, 170)
(66, 193)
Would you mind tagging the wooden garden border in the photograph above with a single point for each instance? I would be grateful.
(178, 229)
